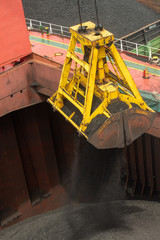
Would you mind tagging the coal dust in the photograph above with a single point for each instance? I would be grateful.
(95, 191)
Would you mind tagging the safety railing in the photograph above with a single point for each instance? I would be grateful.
(137, 49)
(52, 28)
(122, 45)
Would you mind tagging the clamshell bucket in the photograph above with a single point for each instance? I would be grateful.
(100, 99)
(122, 129)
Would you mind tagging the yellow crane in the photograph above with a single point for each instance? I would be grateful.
(99, 98)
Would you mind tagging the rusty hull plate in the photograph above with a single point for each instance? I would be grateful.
(20, 86)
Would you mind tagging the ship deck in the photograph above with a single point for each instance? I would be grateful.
(55, 48)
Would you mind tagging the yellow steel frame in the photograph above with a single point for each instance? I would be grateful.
(95, 75)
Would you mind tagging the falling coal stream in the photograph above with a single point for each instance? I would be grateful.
(95, 173)
(95, 182)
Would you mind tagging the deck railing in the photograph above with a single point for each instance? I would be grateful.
(121, 45)
(136, 49)
(53, 28)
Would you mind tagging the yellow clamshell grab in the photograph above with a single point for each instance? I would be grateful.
(101, 99)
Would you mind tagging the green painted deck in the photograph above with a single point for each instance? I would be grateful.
(145, 49)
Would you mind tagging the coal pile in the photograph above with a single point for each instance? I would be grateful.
(120, 17)
(139, 220)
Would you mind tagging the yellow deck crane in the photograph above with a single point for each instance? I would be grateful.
(100, 98)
